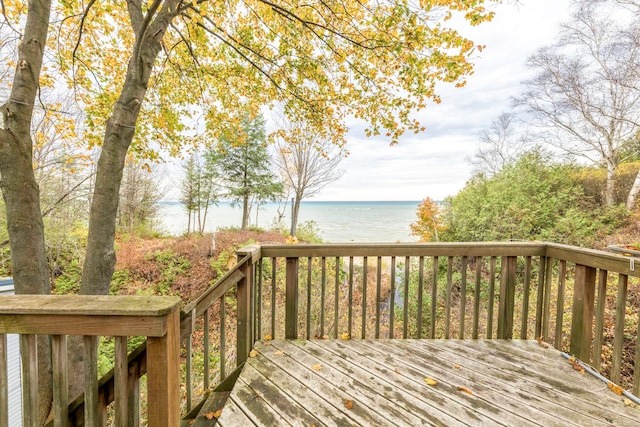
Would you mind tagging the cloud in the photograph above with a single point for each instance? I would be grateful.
(434, 163)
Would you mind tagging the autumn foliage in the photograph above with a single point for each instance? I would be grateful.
(429, 223)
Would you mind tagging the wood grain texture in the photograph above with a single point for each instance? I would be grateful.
(382, 382)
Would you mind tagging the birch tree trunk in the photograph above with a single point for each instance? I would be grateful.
(633, 193)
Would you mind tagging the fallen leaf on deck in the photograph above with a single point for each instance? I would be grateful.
(576, 365)
(615, 388)
(211, 415)
(278, 352)
(397, 371)
(317, 367)
(456, 366)
(348, 403)
(430, 381)
(268, 337)
(542, 343)
(253, 353)
(345, 336)
(630, 403)
(465, 390)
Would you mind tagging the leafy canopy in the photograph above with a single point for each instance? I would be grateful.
(323, 61)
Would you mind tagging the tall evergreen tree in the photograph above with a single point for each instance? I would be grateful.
(244, 165)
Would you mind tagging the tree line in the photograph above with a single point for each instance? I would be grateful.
(563, 164)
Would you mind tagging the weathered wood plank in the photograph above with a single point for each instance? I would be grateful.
(29, 359)
(121, 382)
(551, 376)
(582, 313)
(233, 416)
(92, 415)
(618, 337)
(254, 405)
(529, 381)
(60, 380)
(598, 334)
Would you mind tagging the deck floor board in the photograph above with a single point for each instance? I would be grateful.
(382, 383)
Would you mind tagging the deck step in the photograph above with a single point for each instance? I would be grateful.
(215, 402)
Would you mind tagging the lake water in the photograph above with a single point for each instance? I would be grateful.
(339, 222)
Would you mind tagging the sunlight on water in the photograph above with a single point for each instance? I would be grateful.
(339, 222)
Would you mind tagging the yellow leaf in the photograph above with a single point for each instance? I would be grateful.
(345, 336)
(278, 352)
(615, 388)
(465, 390)
(430, 381)
(317, 367)
(268, 337)
(253, 353)
(456, 366)
(542, 343)
(630, 403)
(348, 403)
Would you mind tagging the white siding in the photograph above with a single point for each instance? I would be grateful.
(13, 355)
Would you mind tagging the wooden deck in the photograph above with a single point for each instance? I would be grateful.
(384, 382)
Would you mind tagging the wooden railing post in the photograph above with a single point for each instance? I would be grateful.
(582, 318)
(246, 302)
(163, 375)
(506, 304)
(291, 306)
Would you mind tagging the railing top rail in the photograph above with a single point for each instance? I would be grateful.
(89, 305)
(406, 249)
(99, 315)
(595, 258)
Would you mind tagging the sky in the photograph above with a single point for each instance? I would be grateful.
(434, 163)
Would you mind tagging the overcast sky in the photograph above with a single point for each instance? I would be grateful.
(434, 163)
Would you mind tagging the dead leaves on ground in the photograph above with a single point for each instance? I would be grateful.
(348, 404)
(430, 381)
(345, 336)
(317, 367)
(541, 343)
(465, 390)
(575, 364)
(253, 353)
(211, 415)
(616, 389)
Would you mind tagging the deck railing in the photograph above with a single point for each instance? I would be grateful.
(575, 299)
(156, 318)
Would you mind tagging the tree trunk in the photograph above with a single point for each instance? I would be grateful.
(245, 212)
(295, 211)
(633, 193)
(19, 187)
(609, 192)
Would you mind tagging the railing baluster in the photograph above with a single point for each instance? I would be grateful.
(392, 299)
(547, 300)
(336, 298)
(405, 300)
(600, 309)
(291, 299)
(206, 349)
(560, 305)
(350, 300)
(420, 296)
(121, 407)
(60, 380)
(618, 337)
(378, 292)
(29, 355)
(133, 399)
(525, 298)
(4, 382)
(308, 297)
(463, 296)
(476, 300)
(542, 263)
(434, 297)
(323, 285)
(92, 415)
(365, 270)
(258, 307)
(636, 363)
(189, 376)
(492, 296)
(447, 313)
(223, 337)
(274, 267)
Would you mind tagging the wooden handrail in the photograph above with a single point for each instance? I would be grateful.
(157, 318)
